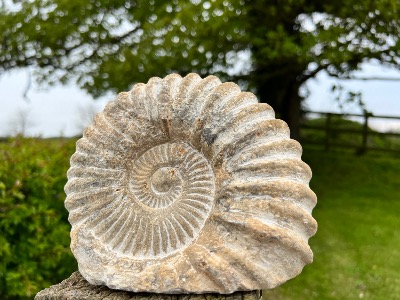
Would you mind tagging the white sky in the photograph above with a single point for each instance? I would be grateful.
(61, 110)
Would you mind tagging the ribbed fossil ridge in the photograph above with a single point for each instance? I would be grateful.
(189, 185)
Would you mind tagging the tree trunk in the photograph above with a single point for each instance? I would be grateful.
(282, 93)
(291, 111)
(77, 288)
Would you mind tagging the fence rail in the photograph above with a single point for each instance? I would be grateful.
(364, 133)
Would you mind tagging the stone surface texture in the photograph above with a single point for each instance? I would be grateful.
(77, 288)
(189, 185)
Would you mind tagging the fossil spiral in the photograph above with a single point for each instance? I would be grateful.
(189, 185)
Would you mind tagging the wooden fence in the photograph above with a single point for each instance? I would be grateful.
(364, 133)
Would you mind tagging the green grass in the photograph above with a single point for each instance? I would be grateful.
(356, 249)
(357, 246)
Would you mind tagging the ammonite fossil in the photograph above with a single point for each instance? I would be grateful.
(188, 185)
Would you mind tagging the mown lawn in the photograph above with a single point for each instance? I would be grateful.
(357, 246)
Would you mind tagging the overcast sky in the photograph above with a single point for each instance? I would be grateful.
(62, 110)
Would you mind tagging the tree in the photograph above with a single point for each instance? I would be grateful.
(85, 115)
(20, 122)
(108, 45)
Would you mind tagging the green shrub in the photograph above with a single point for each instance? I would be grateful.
(34, 230)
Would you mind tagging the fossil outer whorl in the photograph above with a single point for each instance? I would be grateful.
(188, 185)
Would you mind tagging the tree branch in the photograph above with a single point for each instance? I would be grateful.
(362, 78)
(312, 74)
(112, 41)
(373, 78)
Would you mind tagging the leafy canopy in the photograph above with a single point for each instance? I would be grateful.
(107, 45)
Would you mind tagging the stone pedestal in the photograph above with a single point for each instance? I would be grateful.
(77, 288)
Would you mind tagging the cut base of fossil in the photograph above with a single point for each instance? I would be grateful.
(188, 185)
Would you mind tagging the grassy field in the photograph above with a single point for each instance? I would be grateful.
(357, 246)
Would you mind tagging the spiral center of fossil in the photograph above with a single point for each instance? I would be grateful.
(164, 179)
(172, 189)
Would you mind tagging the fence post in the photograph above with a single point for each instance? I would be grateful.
(328, 131)
(364, 141)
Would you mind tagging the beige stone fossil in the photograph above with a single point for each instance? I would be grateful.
(188, 185)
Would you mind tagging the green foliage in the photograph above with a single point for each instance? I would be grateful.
(356, 247)
(108, 45)
(34, 230)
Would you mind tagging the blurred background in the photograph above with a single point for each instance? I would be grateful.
(330, 69)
